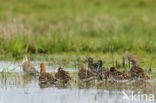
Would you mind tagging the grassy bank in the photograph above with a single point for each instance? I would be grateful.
(49, 26)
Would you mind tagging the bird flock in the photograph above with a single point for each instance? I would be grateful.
(95, 71)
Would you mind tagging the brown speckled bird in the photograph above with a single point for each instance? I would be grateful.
(91, 65)
(46, 77)
(102, 73)
(62, 75)
(138, 73)
(28, 67)
(118, 76)
(85, 74)
(131, 58)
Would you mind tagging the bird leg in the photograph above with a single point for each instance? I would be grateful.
(123, 61)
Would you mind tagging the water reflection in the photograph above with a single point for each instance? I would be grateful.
(29, 90)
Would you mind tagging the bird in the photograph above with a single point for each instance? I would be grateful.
(118, 76)
(138, 73)
(91, 65)
(27, 66)
(84, 74)
(62, 75)
(102, 73)
(131, 58)
(46, 77)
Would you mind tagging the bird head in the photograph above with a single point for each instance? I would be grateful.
(80, 65)
(59, 69)
(112, 69)
(42, 68)
(25, 58)
(100, 63)
(90, 60)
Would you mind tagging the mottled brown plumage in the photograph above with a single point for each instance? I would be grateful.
(102, 73)
(117, 75)
(45, 77)
(85, 74)
(91, 65)
(62, 75)
(138, 73)
(28, 67)
(131, 58)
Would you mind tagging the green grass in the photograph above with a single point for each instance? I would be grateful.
(49, 26)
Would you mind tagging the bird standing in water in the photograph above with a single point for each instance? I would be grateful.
(27, 66)
(102, 73)
(131, 58)
(138, 73)
(118, 76)
(84, 74)
(45, 77)
(62, 75)
(91, 65)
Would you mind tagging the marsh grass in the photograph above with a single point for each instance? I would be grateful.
(5, 72)
(76, 26)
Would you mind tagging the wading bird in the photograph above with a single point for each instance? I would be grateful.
(118, 76)
(138, 73)
(62, 75)
(28, 67)
(102, 73)
(91, 65)
(131, 58)
(46, 77)
(84, 74)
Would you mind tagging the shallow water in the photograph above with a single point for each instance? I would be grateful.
(17, 87)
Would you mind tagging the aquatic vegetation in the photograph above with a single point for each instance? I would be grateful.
(5, 72)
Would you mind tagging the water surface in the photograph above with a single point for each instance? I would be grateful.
(17, 87)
